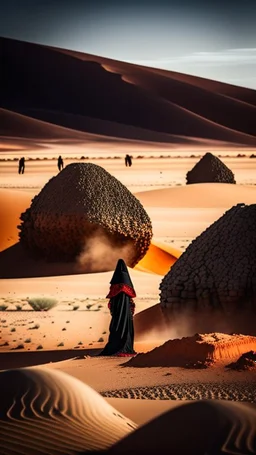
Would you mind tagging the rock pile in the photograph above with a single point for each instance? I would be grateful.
(218, 269)
(197, 351)
(82, 202)
(210, 169)
(247, 361)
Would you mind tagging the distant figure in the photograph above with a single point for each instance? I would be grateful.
(22, 165)
(128, 160)
(60, 163)
(121, 306)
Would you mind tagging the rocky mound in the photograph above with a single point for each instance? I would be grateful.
(198, 351)
(218, 269)
(247, 361)
(210, 169)
(85, 202)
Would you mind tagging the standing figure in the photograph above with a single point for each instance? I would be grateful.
(22, 165)
(129, 160)
(121, 306)
(126, 160)
(60, 163)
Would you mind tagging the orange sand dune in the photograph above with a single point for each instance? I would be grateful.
(12, 204)
(199, 195)
(198, 348)
(138, 96)
(52, 412)
(158, 259)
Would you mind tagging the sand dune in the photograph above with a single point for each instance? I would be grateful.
(138, 96)
(199, 195)
(212, 427)
(51, 412)
(199, 348)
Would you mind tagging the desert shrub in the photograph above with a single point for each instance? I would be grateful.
(42, 303)
(75, 307)
(80, 343)
(89, 305)
(36, 326)
(18, 307)
(3, 307)
(39, 347)
(100, 340)
(28, 340)
(60, 344)
(13, 329)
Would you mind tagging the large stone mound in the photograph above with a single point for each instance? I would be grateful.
(210, 169)
(200, 348)
(217, 272)
(85, 202)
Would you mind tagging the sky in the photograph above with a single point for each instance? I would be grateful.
(215, 39)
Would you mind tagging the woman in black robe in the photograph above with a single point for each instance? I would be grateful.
(121, 306)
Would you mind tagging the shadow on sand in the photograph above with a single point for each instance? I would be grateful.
(12, 360)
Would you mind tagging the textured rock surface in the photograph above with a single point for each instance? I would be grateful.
(85, 202)
(210, 169)
(198, 348)
(218, 269)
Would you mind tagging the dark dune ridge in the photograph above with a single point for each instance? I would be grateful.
(204, 427)
(77, 90)
(213, 282)
(86, 214)
(210, 169)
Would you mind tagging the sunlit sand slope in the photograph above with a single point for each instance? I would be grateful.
(46, 411)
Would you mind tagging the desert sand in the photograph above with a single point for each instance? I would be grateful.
(70, 399)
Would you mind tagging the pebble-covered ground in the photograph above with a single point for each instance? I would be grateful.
(245, 391)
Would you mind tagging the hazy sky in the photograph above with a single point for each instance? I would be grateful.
(209, 38)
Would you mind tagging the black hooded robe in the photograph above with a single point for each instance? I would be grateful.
(121, 336)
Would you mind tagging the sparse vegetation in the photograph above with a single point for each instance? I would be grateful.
(13, 329)
(18, 307)
(42, 303)
(64, 328)
(100, 340)
(80, 343)
(104, 333)
(3, 307)
(75, 307)
(39, 347)
(89, 305)
(60, 344)
(28, 340)
(35, 327)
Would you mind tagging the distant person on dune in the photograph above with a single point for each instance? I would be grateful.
(60, 163)
(22, 165)
(121, 306)
(128, 160)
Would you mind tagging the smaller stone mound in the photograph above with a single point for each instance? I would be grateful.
(198, 350)
(247, 361)
(210, 169)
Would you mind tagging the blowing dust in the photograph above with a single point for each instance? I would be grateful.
(101, 253)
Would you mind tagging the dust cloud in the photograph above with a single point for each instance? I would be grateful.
(102, 251)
